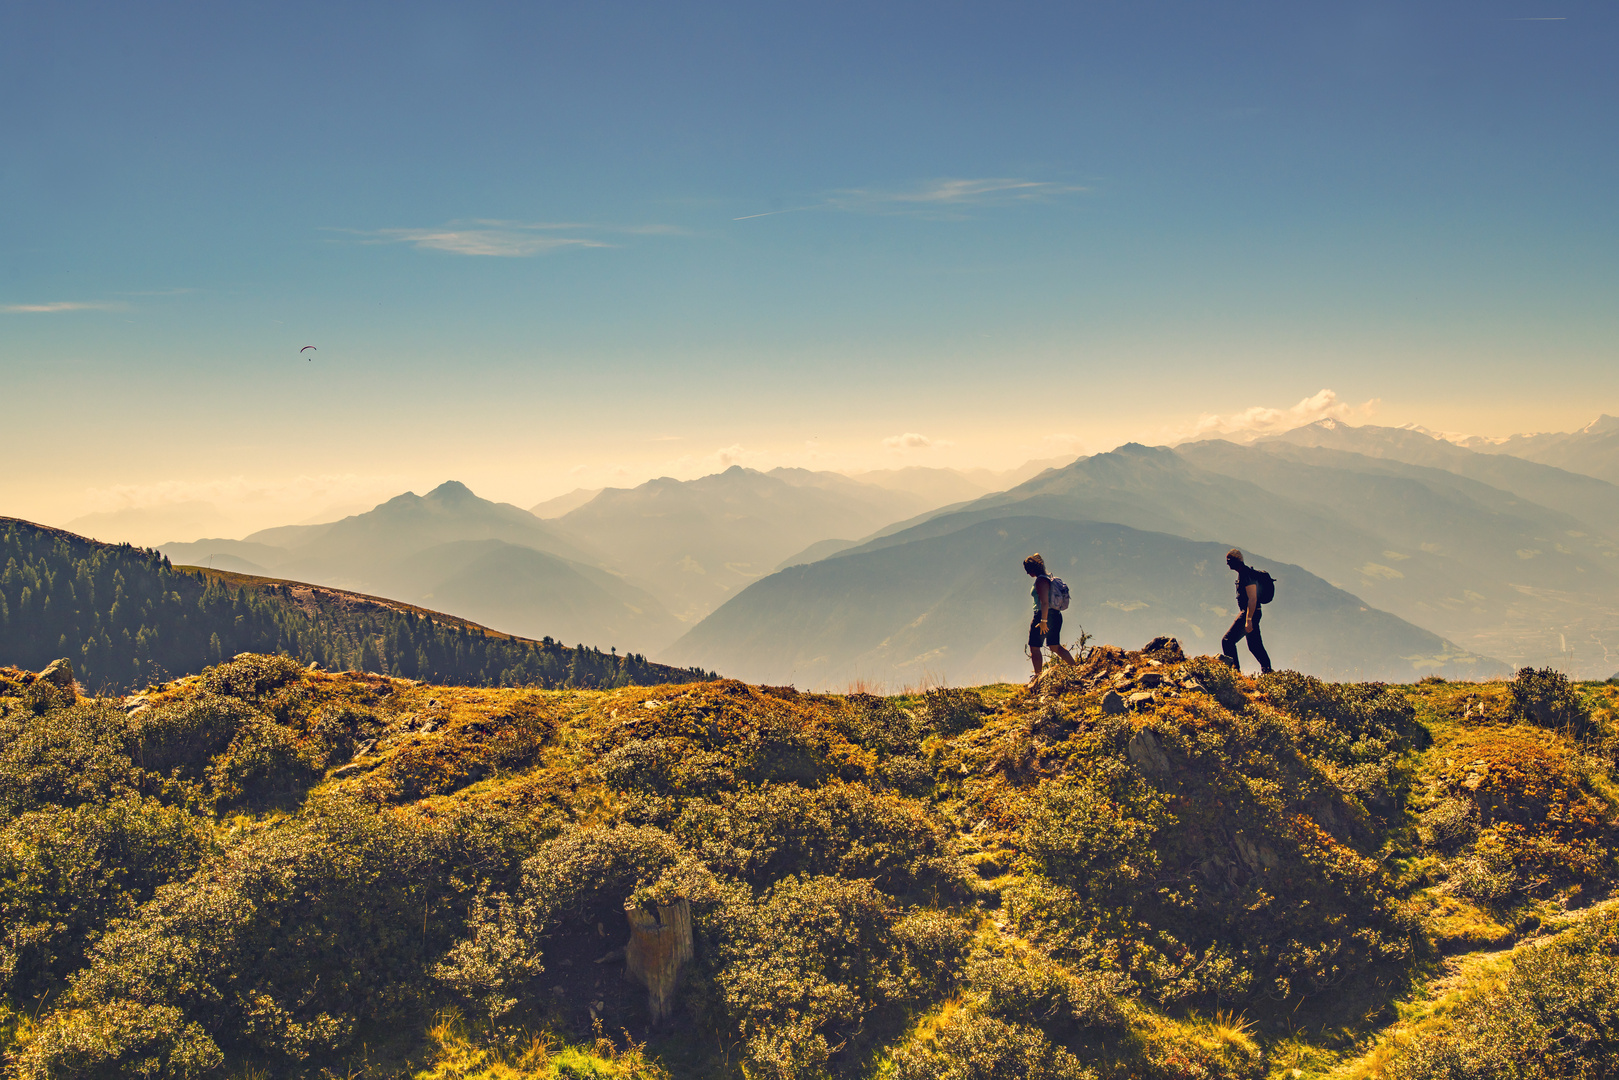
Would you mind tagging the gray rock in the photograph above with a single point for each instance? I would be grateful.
(1151, 678)
(59, 673)
(1112, 703)
(1148, 754)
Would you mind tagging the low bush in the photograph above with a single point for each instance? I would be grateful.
(1555, 1016)
(251, 675)
(800, 974)
(65, 874)
(980, 1047)
(1521, 807)
(1544, 697)
(185, 736)
(73, 754)
(296, 936)
(847, 830)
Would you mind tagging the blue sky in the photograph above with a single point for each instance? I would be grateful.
(539, 246)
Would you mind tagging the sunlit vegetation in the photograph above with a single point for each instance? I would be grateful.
(1146, 866)
(126, 618)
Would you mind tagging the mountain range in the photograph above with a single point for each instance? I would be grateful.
(1482, 565)
(1593, 449)
(1480, 557)
(494, 563)
(952, 605)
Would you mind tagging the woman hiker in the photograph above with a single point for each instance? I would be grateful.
(1046, 626)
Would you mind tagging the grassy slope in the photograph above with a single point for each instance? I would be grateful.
(1235, 878)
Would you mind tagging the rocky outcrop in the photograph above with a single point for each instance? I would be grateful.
(660, 946)
(59, 673)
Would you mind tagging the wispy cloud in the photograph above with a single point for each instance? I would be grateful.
(946, 198)
(64, 305)
(507, 239)
(1257, 420)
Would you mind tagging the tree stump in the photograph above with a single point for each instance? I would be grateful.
(660, 945)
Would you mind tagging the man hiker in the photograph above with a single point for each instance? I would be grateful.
(1247, 621)
(1046, 626)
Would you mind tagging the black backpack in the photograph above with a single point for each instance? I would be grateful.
(1267, 586)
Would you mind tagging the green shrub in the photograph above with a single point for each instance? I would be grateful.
(1022, 984)
(119, 1039)
(251, 676)
(951, 711)
(1544, 697)
(780, 747)
(882, 725)
(799, 974)
(1251, 892)
(186, 735)
(647, 765)
(297, 933)
(65, 756)
(264, 761)
(842, 829)
(336, 728)
(66, 874)
(493, 961)
(981, 1047)
(1555, 1016)
(1094, 833)
(589, 874)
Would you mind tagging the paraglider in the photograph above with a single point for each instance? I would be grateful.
(305, 349)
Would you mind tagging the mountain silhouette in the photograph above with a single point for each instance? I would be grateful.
(491, 562)
(954, 607)
(695, 543)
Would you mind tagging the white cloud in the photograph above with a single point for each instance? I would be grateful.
(64, 305)
(506, 239)
(944, 198)
(912, 440)
(1257, 420)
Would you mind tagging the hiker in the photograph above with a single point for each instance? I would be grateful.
(1046, 626)
(1247, 621)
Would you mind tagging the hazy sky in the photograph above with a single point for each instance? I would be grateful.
(542, 246)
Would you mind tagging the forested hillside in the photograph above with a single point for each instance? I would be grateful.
(1142, 868)
(125, 617)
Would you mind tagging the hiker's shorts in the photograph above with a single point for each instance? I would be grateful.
(1053, 635)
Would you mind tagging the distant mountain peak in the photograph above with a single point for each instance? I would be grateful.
(1135, 449)
(451, 491)
(1602, 425)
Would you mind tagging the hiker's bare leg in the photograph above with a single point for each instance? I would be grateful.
(1062, 654)
(1038, 658)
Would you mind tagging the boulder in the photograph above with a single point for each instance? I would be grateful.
(1112, 703)
(59, 673)
(1165, 648)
